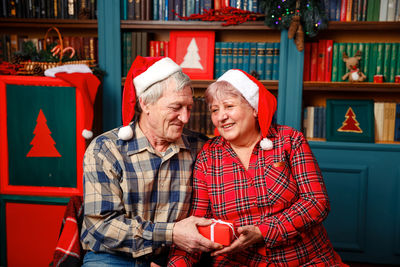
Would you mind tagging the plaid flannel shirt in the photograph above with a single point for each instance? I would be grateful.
(133, 194)
(282, 192)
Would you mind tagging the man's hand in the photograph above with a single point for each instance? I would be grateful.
(186, 236)
(248, 235)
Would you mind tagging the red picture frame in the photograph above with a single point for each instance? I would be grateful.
(194, 52)
(5, 186)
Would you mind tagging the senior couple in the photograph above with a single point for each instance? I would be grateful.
(150, 183)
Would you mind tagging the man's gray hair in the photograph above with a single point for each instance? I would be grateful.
(155, 91)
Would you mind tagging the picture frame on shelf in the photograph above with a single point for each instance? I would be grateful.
(194, 52)
(350, 120)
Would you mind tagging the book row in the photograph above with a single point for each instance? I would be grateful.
(167, 9)
(363, 10)
(257, 58)
(260, 59)
(49, 9)
(85, 47)
(386, 117)
(323, 60)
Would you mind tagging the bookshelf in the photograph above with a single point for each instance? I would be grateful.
(362, 178)
(36, 199)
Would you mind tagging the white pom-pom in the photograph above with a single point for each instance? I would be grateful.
(87, 134)
(266, 144)
(125, 133)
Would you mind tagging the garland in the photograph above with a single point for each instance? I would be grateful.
(231, 15)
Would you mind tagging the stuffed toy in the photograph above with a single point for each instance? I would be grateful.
(354, 74)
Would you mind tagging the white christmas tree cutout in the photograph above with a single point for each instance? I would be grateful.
(192, 58)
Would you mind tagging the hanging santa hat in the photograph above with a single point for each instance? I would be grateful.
(259, 98)
(80, 76)
(144, 72)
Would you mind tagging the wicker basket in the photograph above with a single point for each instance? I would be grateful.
(38, 68)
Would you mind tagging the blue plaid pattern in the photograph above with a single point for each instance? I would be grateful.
(133, 194)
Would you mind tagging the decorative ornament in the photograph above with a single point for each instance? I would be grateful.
(231, 15)
(300, 18)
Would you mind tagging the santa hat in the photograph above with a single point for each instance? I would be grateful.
(80, 76)
(259, 98)
(144, 72)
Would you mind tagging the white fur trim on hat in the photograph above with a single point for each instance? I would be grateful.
(125, 133)
(155, 73)
(68, 68)
(87, 134)
(241, 82)
(266, 144)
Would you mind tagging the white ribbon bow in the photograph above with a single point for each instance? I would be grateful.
(221, 222)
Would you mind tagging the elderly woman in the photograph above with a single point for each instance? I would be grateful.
(264, 178)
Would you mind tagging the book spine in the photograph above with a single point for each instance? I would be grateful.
(379, 118)
(246, 57)
(240, 55)
(380, 58)
(397, 123)
(235, 55)
(314, 61)
(372, 61)
(307, 61)
(386, 61)
(370, 10)
(332, 9)
(321, 60)
(224, 57)
(392, 121)
(269, 61)
(190, 7)
(328, 60)
(207, 4)
(275, 62)
(366, 58)
(230, 55)
(364, 10)
(253, 58)
(349, 8)
(376, 10)
(391, 10)
(383, 10)
(341, 64)
(343, 10)
(335, 61)
(393, 61)
(217, 60)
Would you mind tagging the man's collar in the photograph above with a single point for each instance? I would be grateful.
(139, 142)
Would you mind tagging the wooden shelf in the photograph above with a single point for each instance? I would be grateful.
(47, 23)
(352, 87)
(192, 25)
(363, 25)
(252, 25)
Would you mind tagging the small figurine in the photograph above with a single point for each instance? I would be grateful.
(354, 74)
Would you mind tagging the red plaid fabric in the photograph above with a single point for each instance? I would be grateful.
(68, 252)
(282, 192)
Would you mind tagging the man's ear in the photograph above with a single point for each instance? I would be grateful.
(143, 106)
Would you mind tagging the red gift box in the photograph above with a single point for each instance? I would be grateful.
(397, 79)
(378, 78)
(220, 232)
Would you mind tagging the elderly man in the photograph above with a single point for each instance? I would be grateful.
(138, 178)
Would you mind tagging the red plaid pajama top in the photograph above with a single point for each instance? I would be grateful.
(282, 192)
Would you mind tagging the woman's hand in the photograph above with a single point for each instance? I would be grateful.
(248, 235)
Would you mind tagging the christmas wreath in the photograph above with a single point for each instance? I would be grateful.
(298, 17)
